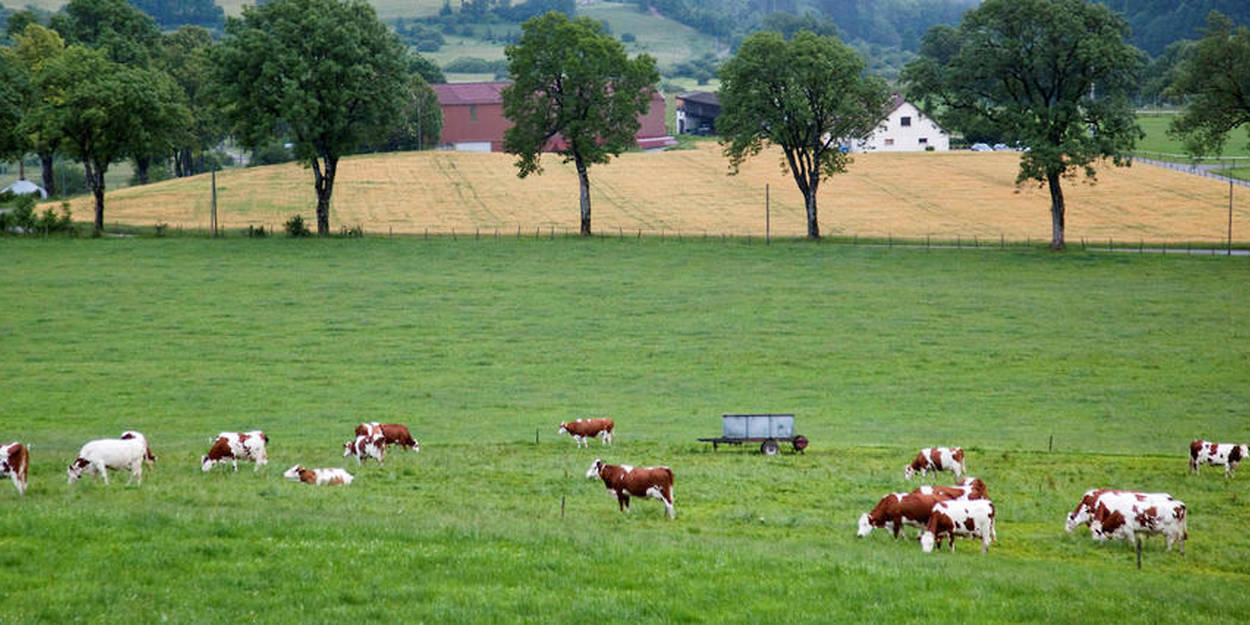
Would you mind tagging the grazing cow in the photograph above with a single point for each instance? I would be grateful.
(236, 446)
(624, 480)
(937, 459)
(14, 460)
(582, 430)
(1228, 455)
(1125, 513)
(898, 509)
(960, 517)
(319, 477)
(394, 434)
(128, 452)
(366, 446)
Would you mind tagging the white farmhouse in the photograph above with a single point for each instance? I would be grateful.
(905, 129)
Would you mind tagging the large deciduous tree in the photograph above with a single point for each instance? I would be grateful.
(186, 57)
(326, 73)
(1214, 76)
(576, 93)
(34, 47)
(808, 96)
(126, 34)
(102, 109)
(14, 96)
(1055, 76)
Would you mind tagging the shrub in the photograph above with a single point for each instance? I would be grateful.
(296, 227)
(628, 38)
(270, 154)
(256, 232)
(354, 232)
(159, 229)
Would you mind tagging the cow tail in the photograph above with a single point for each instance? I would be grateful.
(668, 487)
(23, 461)
(1184, 519)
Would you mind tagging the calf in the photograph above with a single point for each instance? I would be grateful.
(582, 430)
(319, 477)
(128, 452)
(960, 517)
(366, 446)
(393, 433)
(236, 446)
(14, 460)
(1228, 455)
(937, 459)
(624, 480)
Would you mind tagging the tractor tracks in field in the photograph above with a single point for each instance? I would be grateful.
(473, 203)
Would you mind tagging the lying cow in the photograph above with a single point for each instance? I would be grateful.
(582, 430)
(366, 446)
(937, 459)
(236, 446)
(319, 477)
(896, 510)
(960, 517)
(624, 480)
(1228, 455)
(14, 460)
(393, 433)
(1123, 513)
(128, 452)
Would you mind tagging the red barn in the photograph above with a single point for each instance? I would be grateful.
(473, 118)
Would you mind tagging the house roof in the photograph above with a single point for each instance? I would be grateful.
(702, 97)
(461, 93)
(896, 100)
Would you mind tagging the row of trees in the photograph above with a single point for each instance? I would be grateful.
(101, 83)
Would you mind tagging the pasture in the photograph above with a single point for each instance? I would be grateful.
(478, 345)
(947, 196)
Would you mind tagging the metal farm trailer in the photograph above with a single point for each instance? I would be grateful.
(767, 429)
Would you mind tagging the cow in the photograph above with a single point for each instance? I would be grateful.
(14, 460)
(937, 459)
(1229, 455)
(960, 517)
(319, 477)
(896, 510)
(236, 446)
(366, 446)
(582, 430)
(624, 480)
(128, 452)
(394, 434)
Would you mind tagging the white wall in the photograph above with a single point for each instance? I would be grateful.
(893, 136)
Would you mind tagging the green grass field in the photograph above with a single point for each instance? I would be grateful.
(479, 345)
(1157, 139)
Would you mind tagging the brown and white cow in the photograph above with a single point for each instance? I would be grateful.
(625, 480)
(582, 430)
(896, 510)
(392, 433)
(937, 459)
(366, 446)
(1114, 513)
(1228, 455)
(14, 460)
(236, 446)
(960, 517)
(318, 477)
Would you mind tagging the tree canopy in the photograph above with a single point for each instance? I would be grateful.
(126, 34)
(175, 13)
(1054, 76)
(576, 93)
(809, 96)
(325, 73)
(14, 93)
(1214, 76)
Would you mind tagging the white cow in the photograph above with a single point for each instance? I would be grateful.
(960, 517)
(97, 456)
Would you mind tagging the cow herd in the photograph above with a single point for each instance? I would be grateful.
(938, 512)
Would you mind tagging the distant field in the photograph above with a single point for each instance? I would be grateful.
(1158, 140)
(942, 195)
(483, 347)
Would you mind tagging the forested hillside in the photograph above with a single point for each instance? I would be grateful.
(1156, 23)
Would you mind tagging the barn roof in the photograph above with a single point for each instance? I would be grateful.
(702, 97)
(461, 93)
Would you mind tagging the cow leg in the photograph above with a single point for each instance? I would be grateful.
(985, 542)
(103, 473)
(17, 481)
(234, 462)
(623, 501)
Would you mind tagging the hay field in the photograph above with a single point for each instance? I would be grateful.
(958, 194)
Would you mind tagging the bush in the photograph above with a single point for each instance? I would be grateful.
(296, 227)
(256, 232)
(354, 232)
(23, 219)
(628, 38)
(474, 65)
(270, 154)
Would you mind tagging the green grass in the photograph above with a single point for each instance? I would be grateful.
(478, 345)
(1157, 139)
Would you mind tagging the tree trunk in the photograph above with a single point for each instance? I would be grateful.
(583, 181)
(324, 182)
(809, 199)
(1056, 211)
(95, 180)
(142, 164)
(49, 176)
(21, 167)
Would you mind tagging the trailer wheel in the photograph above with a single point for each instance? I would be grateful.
(769, 447)
(800, 443)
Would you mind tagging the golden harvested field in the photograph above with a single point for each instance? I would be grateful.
(943, 195)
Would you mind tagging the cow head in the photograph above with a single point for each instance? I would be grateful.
(76, 469)
(349, 448)
(975, 487)
(595, 468)
(293, 473)
(564, 429)
(926, 541)
(865, 526)
(908, 471)
(206, 464)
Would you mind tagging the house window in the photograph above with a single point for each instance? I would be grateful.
(904, 121)
(472, 112)
(889, 142)
(924, 140)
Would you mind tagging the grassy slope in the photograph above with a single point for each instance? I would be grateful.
(478, 344)
(1157, 139)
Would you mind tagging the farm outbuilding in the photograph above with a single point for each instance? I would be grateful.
(473, 118)
(697, 112)
(905, 129)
